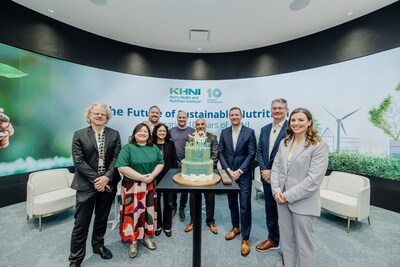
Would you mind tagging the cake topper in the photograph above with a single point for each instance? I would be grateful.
(198, 138)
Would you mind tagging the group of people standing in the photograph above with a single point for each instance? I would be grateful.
(292, 161)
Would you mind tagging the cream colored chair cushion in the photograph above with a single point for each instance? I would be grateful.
(339, 203)
(346, 195)
(54, 201)
(49, 192)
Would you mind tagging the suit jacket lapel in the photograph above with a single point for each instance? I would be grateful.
(240, 135)
(281, 135)
(299, 149)
(230, 140)
(266, 141)
(285, 155)
(106, 139)
(91, 133)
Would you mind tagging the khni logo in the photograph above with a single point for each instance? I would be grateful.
(186, 91)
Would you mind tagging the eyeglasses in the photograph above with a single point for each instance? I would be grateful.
(278, 108)
(99, 114)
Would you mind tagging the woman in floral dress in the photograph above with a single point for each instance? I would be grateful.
(139, 161)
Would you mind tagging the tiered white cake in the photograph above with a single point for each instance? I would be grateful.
(197, 165)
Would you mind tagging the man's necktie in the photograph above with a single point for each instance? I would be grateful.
(101, 169)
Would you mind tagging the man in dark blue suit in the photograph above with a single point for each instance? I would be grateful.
(268, 144)
(236, 150)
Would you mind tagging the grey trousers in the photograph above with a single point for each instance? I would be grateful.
(297, 237)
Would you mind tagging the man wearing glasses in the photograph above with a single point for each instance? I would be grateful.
(270, 137)
(94, 152)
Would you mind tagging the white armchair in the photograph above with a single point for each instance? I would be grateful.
(49, 192)
(346, 195)
(257, 182)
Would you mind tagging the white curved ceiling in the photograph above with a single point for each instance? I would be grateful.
(232, 25)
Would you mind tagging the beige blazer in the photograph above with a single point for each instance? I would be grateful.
(300, 178)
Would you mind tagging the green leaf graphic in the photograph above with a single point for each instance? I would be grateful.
(10, 72)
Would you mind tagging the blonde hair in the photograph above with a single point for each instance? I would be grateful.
(97, 104)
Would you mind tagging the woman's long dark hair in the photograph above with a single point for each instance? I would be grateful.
(155, 138)
(312, 137)
(137, 129)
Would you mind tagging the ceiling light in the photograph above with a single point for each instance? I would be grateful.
(350, 13)
(199, 35)
(50, 10)
(297, 5)
(199, 49)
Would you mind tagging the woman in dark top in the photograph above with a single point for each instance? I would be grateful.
(163, 140)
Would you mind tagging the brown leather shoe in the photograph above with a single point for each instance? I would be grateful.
(213, 228)
(267, 245)
(245, 247)
(232, 234)
(189, 227)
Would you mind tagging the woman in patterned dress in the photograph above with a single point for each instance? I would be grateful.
(139, 161)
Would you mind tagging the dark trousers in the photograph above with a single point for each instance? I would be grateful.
(182, 202)
(244, 216)
(271, 213)
(164, 215)
(210, 207)
(100, 203)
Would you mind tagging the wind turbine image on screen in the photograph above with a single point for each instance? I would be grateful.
(340, 125)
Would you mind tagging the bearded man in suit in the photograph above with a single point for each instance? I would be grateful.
(210, 138)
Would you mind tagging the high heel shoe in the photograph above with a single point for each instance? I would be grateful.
(168, 232)
(157, 232)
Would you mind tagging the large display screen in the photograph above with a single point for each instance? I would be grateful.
(47, 104)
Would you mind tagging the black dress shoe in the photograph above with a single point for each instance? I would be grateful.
(168, 232)
(104, 252)
(157, 232)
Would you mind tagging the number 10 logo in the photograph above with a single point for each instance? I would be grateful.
(214, 92)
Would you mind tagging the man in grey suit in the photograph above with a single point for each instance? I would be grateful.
(94, 151)
(201, 126)
(270, 137)
(236, 150)
(296, 176)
